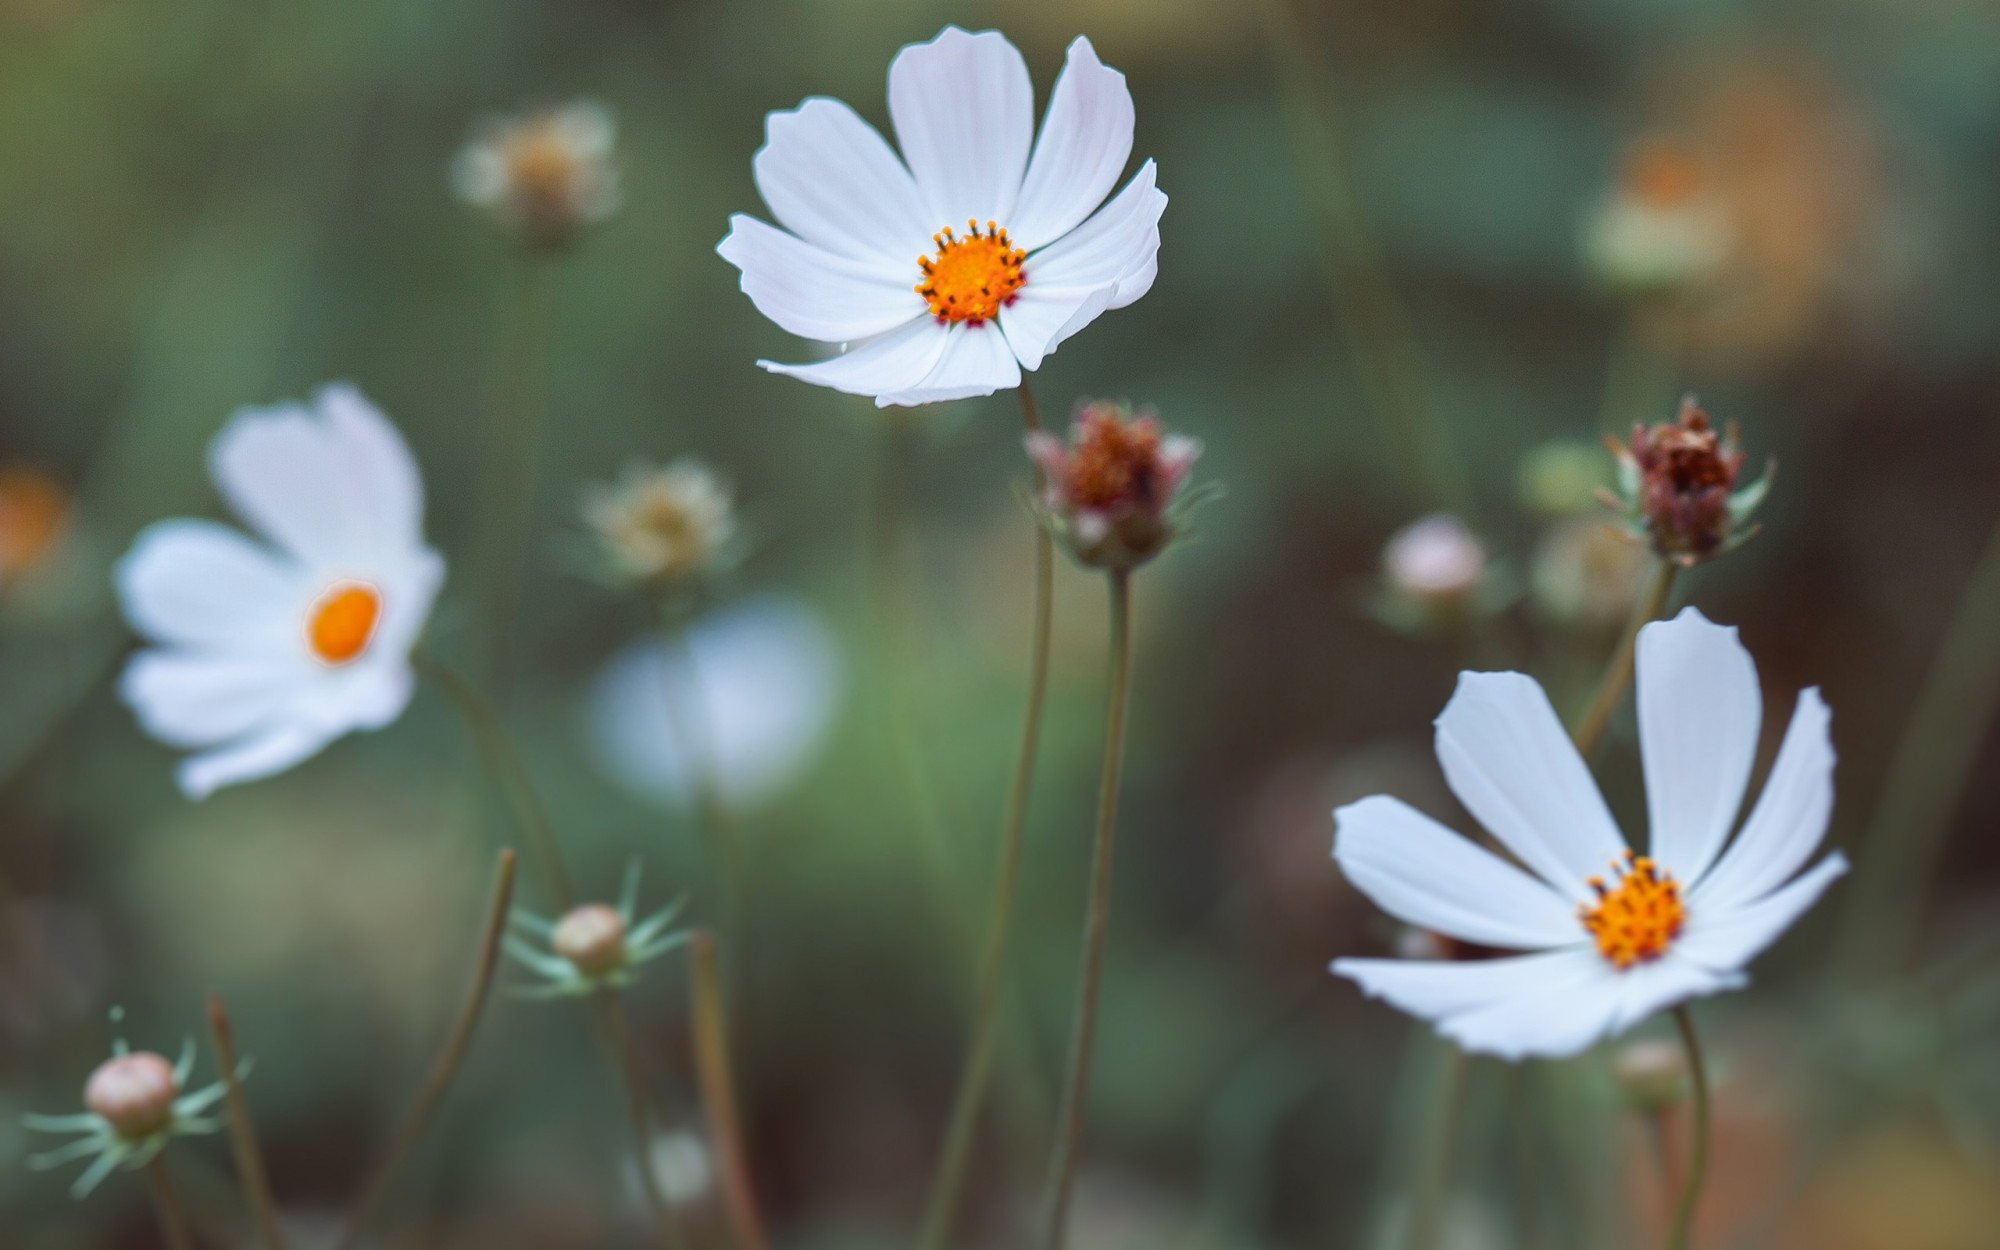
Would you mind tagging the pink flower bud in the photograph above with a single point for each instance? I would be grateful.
(1112, 485)
(135, 1092)
(592, 937)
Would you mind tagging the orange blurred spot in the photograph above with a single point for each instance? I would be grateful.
(33, 513)
(1664, 172)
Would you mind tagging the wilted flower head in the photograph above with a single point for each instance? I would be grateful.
(1112, 487)
(660, 527)
(546, 174)
(594, 946)
(135, 1106)
(1678, 482)
(1663, 227)
(34, 513)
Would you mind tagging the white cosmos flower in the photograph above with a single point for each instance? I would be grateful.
(264, 652)
(1615, 937)
(765, 675)
(948, 271)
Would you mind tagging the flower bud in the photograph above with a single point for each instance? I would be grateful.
(592, 937)
(1112, 487)
(662, 526)
(1664, 227)
(1678, 479)
(1435, 561)
(134, 1092)
(546, 175)
(1651, 1073)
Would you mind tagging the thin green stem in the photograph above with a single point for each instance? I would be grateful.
(509, 773)
(167, 1206)
(243, 1132)
(941, 1210)
(1697, 1169)
(1618, 673)
(718, 1093)
(520, 405)
(1434, 1165)
(1097, 923)
(634, 1079)
(446, 1065)
(1926, 780)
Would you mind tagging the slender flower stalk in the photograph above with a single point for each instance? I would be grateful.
(1697, 1169)
(942, 1209)
(633, 1076)
(1618, 673)
(445, 1067)
(1427, 1192)
(687, 705)
(243, 1132)
(508, 482)
(167, 1206)
(504, 763)
(718, 1092)
(1097, 920)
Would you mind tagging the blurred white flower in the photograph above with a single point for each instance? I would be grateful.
(765, 675)
(546, 174)
(869, 256)
(1608, 951)
(662, 525)
(1663, 227)
(264, 652)
(1585, 573)
(681, 1166)
(1435, 559)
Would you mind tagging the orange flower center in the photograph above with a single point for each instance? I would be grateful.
(1637, 919)
(343, 620)
(972, 278)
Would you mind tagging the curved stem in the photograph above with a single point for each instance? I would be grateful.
(508, 773)
(634, 1077)
(1097, 920)
(718, 1093)
(445, 1067)
(167, 1206)
(1697, 1169)
(1618, 674)
(243, 1132)
(942, 1208)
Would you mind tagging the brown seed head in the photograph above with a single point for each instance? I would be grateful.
(1112, 483)
(1687, 472)
(592, 937)
(135, 1092)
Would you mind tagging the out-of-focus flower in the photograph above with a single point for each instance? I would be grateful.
(662, 527)
(546, 174)
(1651, 1073)
(871, 255)
(681, 1166)
(1585, 573)
(266, 652)
(1435, 573)
(1562, 476)
(34, 516)
(136, 1106)
(1663, 227)
(763, 679)
(1616, 936)
(1113, 487)
(594, 946)
(1677, 483)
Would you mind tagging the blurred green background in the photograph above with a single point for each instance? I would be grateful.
(208, 204)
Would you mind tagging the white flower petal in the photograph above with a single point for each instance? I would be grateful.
(1085, 141)
(408, 587)
(1117, 242)
(204, 585)
(368, 698)
(1508, 760)
(1653, 986)
(1700, 710)
(263, 754)
(884, 365)
(1039, 318)
(1725, 939)
(1549, 1003)
(1425, 874)
(1790, 817)
(194, 700)
(976, 361)
(832, 180)
(814, 293)
(1135, 284)
(964, 111)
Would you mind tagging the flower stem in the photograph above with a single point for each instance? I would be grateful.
(1427, 1191)
(243, 1132)
(687, 710)
(1697, 1169)
(942, 1208)
(445, 1067)
(508, 485)
(167, 1206)
(1618, 674)
(508, 773)
(1940, 743)
(1097, 919)
(718, 1093)
(634, 1078)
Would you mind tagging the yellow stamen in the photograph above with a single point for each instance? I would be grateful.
(1637, 919)
(971, 279)
(343, 620)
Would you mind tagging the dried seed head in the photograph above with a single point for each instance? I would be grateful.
(1651, 1073)
(134, 1092)
(662, 525)
(546, 174)
(1112, 486)
(1680, 481)
(592, 937)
